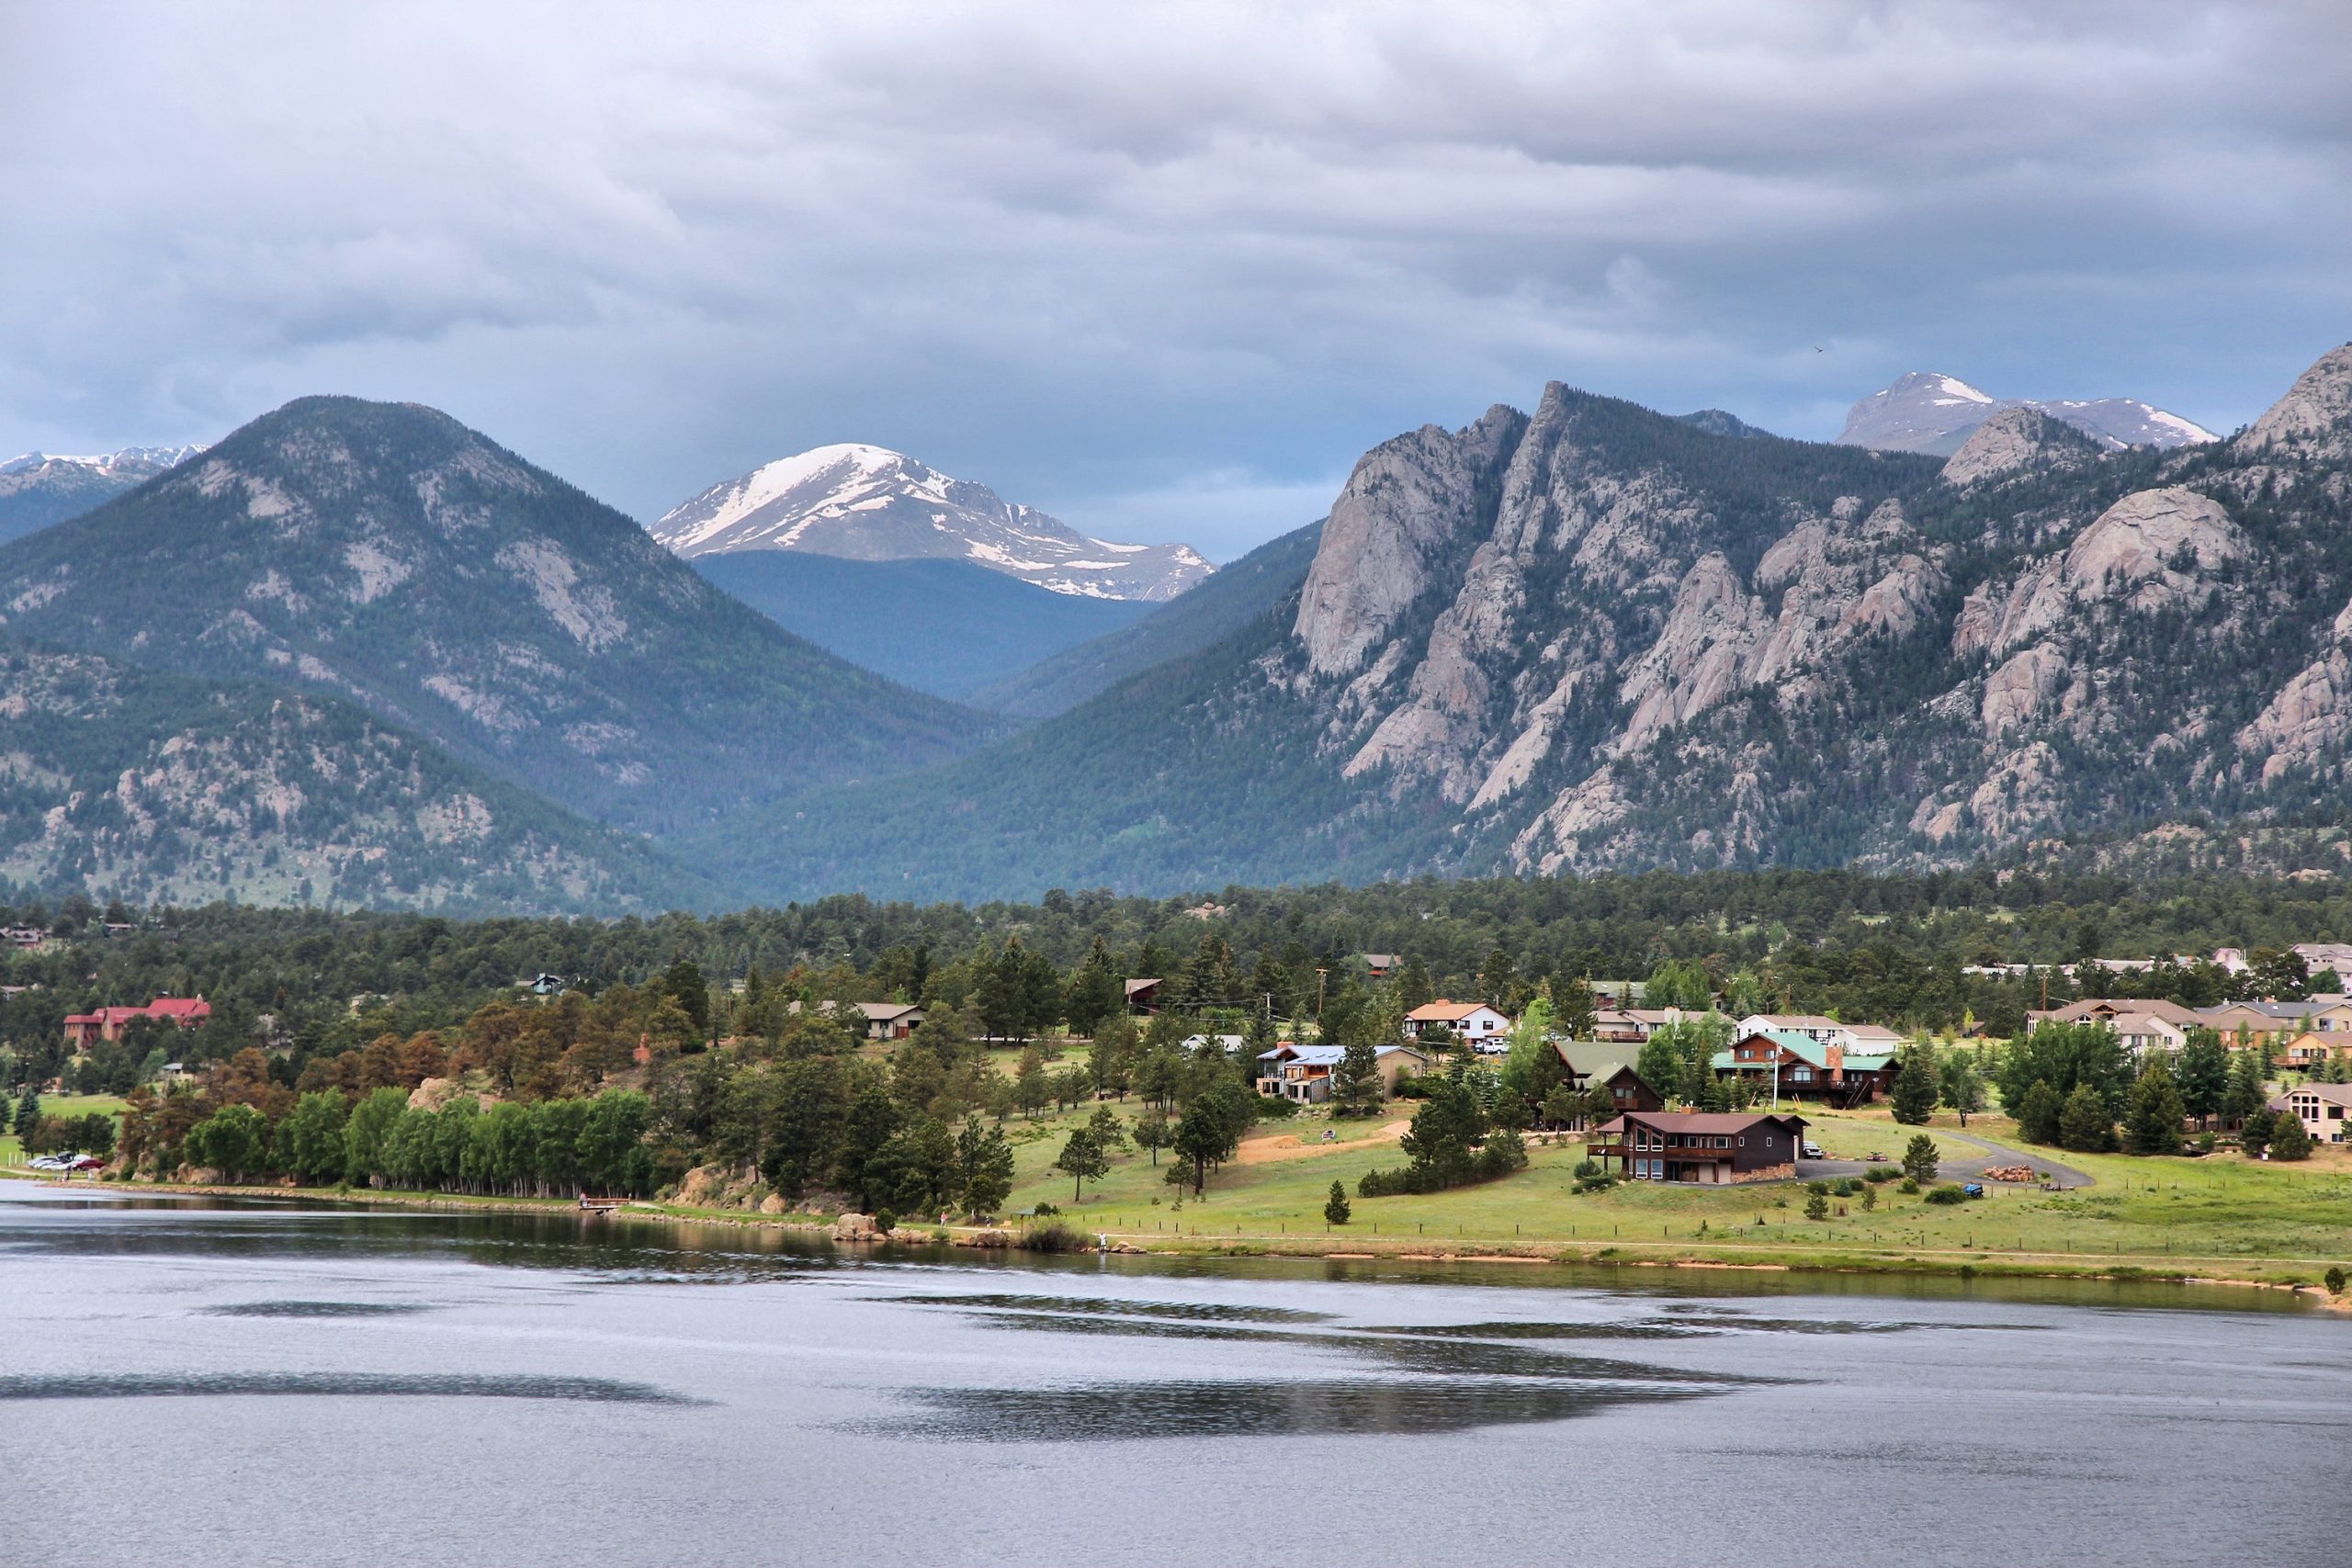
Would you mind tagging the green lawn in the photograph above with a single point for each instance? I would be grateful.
(2221, 1217)
(12, 1152)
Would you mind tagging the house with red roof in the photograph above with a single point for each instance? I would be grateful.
(83, 1029)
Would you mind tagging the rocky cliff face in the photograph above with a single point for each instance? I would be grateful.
(1601, 638)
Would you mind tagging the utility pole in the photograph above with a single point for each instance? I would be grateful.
(1319, 973)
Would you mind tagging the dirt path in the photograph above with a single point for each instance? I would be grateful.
(1263, 1151)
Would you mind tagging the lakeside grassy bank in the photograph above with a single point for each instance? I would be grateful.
(2220, 1218)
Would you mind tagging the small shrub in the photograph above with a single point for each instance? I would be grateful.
(1949, 1192)
(1586, 1168)
(1845, 1187)
(1054, 1236)
(1818, 1206)
(1870, 1199)
(1818, 1189)
(1884, 1173)
(1274, 1108)
(2333, 1279)
(885, 1220)
(1910, 1184)
(1597, 1182)
(1045, 1210)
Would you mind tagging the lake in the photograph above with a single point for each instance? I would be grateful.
(193, 1383)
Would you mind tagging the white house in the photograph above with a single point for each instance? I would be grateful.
(1472, 1022)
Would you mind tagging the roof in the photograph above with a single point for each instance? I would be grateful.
(1707, 1121)
(2331, 1093)
(2152, 1007)
(882, 1013)
(1799, 1021)
(1384, 960)
(1135, 985)
(1444, 1011)
(186, 1007)
(1806, 1049)
(1327, 1055)
(1872, 1032)
(1597, 1060)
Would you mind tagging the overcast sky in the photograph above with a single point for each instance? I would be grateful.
(1164, 271)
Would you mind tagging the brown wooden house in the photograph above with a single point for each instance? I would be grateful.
(1708, 1147)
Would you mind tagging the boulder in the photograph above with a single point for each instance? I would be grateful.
(773, 1203)
(855, 1227)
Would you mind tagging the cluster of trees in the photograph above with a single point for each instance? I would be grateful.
(1455, 1139)
(43, 1133)
(1890, 948)
(2074, 1086)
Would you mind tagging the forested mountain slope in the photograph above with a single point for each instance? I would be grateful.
(128, 783)
(942, 627)
(385, 553)
(1597, 637)
(1205, 614)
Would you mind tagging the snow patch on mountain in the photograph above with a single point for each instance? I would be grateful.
(1929, 412)
(866, 502)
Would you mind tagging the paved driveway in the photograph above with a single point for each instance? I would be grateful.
(1965, 1167)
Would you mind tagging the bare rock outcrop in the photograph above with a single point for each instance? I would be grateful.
(2310, 717)
(1406, 502)
(2313, 419)
(2012, 439)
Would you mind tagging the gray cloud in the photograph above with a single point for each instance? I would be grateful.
(1162, 269)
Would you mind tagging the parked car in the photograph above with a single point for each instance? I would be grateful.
(1812, 1149)
(1972, 1189)
(1875, 1157)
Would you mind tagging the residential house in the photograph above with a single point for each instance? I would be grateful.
(1711, 1148)
(1783, 1064)
(891, 1020)
(1587, 1063)
(1472, 1022)
(1382, 965)
(2312, 1050)
(2105, 1010)
(83, 1029)
(2319, 1107)
(1143, 996)
(1303, 1073)
(1867, 1039)
(1629, 1026)
(174, 1074)
(23, 936)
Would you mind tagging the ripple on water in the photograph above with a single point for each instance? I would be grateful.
(439, 1386)
(1120, 1412)
(313, 1309)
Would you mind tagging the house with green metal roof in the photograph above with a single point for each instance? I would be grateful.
(1589, 1062)
(1784, 1064)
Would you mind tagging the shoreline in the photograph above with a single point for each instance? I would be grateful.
(1712, 1256)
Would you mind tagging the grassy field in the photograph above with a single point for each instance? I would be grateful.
(12, 1152)
(2220, 1216)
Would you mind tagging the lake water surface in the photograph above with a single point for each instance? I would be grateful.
(184, 1382)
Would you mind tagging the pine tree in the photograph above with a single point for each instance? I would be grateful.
(1920, 1158)
(2288, 1138)
(28, 1110)
(1337, 1208)
(1355, 1081)
(2083, 1125)
(1915, 1088)
(1964, 1085)
(1083, 1160)
(2204, 1075)
(2243, 1096)
(2037, 1113)
(984, 1163)
(2154, 1125)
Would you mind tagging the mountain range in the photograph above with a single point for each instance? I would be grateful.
(1596, 636)
(359, 651)
(38, 490)
(868, 504)
(385, 554)
(1931, 412)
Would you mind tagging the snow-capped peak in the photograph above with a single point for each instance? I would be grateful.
(1929, 412)
(870, 503)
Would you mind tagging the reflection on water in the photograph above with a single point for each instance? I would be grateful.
(1109, 1412)
(1200, 1311)
(461, 1385)
(313, 1309)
